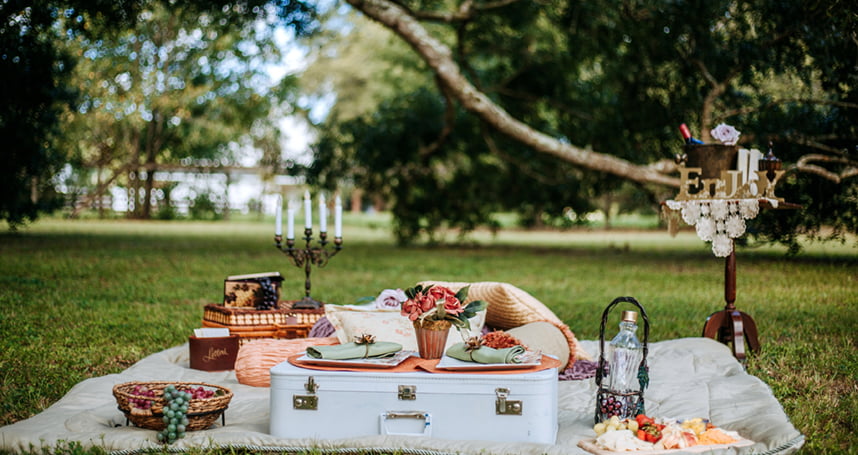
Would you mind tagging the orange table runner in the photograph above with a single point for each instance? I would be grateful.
(415, 363)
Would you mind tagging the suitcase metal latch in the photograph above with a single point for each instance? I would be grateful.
(307, 402)
(504, 406)
(407, 392)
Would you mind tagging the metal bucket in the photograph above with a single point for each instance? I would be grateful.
(711, 158)
(432, 338)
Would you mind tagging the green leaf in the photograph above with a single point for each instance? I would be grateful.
(462, 295)
(472, 308)
(412, 292)
(461, 322)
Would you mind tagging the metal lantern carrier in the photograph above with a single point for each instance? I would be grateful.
(634, 398)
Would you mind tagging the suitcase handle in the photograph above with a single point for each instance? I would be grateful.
(394, 415)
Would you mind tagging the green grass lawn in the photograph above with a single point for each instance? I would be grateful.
(87, 298)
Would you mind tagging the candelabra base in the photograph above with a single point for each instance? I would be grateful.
(307, 303)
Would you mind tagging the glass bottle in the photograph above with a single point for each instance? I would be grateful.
(625, 353)
(687, 137)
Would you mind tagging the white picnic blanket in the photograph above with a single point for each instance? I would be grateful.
(689, 377)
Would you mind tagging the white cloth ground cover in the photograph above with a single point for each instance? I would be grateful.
(689, 377)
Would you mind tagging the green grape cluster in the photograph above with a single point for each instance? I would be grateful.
(175, 414)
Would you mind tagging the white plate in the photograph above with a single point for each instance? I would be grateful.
(387, 362)
(453, 364)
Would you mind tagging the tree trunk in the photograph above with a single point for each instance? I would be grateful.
(226, 195)
(357, 200)
(439, 58)
(100, 201)
(607, 203)
(147, 193)
(133, 176)
(155, 129)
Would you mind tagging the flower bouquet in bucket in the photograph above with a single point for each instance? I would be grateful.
(433, 311)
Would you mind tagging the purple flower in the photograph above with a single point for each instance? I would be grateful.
(390, 299)
(726, 134)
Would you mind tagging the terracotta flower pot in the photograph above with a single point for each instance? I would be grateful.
(431, 337)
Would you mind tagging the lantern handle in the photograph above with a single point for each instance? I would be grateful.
(643, 364)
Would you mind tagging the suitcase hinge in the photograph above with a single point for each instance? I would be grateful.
(407, 392)
(308, 402)
(504, 406)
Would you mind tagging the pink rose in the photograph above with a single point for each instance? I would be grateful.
(452, 305)
(726, 134)
(426, 301)
(390, 299)
(411, 310)
(453, 308)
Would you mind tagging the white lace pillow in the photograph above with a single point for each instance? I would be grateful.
(387, 325)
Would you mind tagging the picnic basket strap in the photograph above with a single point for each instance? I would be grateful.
(643, 364)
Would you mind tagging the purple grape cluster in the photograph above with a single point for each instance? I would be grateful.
(267, 293)
(199, 393)
(610, 406)
(141, 403)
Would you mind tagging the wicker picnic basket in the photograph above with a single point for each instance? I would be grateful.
(250, 324)
(202, 412)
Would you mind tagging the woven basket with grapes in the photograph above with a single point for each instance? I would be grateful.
(261, 292)
(188, 406)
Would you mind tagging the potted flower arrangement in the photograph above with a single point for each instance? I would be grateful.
(433, 310)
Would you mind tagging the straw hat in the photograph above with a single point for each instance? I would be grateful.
(546, 337)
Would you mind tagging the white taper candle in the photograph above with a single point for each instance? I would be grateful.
(308, 211)
(278, 216)
(290, 224)
(323, 214)
(338, 218)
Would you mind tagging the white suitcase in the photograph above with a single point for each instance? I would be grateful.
(307, 403)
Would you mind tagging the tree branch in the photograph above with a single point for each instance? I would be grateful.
(438, 57)
(804, 164)
(99, 191)
(718, 89)
(807, 141)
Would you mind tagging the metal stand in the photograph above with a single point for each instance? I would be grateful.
(307, 257)
(731, 326)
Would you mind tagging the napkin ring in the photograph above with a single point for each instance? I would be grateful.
(472, 344)
(365, 339)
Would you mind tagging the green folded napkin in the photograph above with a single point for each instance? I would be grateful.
(353, 350)
(486, 354)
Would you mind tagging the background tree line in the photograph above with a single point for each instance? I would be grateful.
(116, 91)
(544, 107)
(449, 110)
